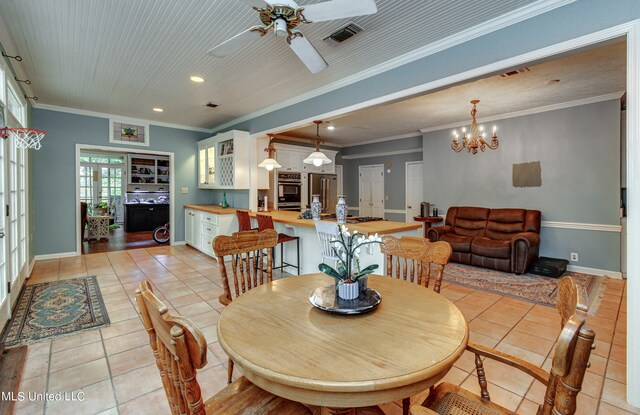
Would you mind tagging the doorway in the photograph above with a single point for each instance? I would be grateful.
(413, 191)
(371, 190)
(132, 191)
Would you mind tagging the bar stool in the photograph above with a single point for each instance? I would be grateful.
(244, 221)
(266, 222)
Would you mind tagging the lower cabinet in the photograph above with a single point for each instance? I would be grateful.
(145, 217)
(201, 228)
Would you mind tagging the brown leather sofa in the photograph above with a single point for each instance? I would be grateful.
(502, 239)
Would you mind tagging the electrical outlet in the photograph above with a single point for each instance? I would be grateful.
(185, 190)
(574, 257)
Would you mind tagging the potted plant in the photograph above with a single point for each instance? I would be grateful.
(101, 209)
(350, 278)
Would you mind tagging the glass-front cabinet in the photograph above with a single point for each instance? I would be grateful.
(206, 164)
(148, 169)
(223, 161)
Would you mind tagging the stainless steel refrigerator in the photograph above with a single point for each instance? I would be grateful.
(325, 185)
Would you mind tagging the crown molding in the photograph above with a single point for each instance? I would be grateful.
(508, 19)
(582, 226)
(382, 139)
(118, 117)
(546, 108)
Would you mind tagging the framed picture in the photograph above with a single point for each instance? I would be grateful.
(128, 132)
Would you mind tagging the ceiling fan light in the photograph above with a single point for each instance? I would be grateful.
(280, 27)
(317, 158)
(269, 164)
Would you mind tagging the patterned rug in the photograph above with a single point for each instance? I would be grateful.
(528, 287)
(53, 309)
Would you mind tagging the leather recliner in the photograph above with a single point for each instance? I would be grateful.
(502, 239)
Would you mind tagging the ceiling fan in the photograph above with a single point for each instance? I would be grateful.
(284, 16)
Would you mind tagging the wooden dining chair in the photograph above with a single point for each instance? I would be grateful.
(247, 264)
(180, 350)
(416, 259)
(563, 383)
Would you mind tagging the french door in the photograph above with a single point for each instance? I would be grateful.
(103, 183)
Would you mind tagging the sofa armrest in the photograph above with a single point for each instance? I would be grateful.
(524, 250)
(434, 233)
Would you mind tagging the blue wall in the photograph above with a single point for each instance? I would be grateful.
(579, 152)
(54, 175)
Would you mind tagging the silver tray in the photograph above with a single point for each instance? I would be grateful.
(326, 298)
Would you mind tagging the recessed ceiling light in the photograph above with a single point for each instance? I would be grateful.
(331, 127)
(197, 79)
(158, 110)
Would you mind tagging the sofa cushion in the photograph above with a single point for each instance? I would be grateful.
(458, 243)
(504, 224)
(491, 248)
(471, 221)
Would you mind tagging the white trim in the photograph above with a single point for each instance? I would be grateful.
(108, 116)
(633, 212)
(398, 211)
(407, 215)
(122, 120)
(179, 243)
(354, 208)
(31, 265)
(91, 147)
(530, 111)
(582, 226)
(508, 19)
(595, 271)
(340, 178)
(382, 153)
(56, 256)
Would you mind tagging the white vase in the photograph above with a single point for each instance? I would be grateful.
(316, 207)
(348, 291)
(342, 209)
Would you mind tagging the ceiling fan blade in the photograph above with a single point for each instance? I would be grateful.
(308, 54)
(338, 9)
(231, 45)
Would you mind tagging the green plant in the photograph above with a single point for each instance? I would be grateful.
(102, 205)
(347, 248)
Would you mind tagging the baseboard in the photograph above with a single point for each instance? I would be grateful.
(179, 243)
(595, 271)
(56, 256)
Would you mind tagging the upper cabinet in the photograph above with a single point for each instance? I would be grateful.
(223, 161)
(290, 158)
(148, 169)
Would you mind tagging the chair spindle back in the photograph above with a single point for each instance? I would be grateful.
(416, 259)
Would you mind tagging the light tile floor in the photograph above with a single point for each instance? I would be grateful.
(114, 366)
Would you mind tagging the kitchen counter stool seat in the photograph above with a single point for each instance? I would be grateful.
(266, 222)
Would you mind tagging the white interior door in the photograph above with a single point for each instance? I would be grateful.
(111, 189)
(371, 190)
(413, 190)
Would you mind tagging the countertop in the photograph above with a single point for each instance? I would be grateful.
(291, 218)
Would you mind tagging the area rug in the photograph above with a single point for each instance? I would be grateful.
(53, 309)
(527, 287)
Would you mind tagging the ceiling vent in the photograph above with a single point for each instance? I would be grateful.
(343, 34)
(514, 73)
(211, 105)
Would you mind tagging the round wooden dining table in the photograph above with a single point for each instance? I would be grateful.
(285, 345)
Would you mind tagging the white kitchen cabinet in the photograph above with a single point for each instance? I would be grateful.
(192, 227)
(223, 161)
(291, 159)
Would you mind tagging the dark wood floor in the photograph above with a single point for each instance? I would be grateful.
(118, 241)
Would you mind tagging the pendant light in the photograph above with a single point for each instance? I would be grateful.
(270, 162)
(317, 158)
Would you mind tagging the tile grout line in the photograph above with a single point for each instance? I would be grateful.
(113, 386)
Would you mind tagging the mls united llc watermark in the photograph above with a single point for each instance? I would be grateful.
(42, 396)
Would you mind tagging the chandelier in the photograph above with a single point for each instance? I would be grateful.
(474, 139)
(317, 158)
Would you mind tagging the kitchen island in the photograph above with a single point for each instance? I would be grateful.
(288, 222)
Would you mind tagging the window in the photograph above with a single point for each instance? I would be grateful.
(15, 104)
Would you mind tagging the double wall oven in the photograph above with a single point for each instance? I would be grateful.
(289, 191)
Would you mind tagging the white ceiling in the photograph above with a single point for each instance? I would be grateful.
(583, 75)
(125, 57)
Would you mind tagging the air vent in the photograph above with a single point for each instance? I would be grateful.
(514, 73)
(211, 105)
(343, 34)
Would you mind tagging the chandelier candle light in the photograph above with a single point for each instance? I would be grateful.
(317, 158)
(474, 139)
(270, 162)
